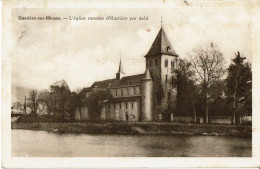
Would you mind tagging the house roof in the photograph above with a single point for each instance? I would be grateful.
(87, 89)
(103, 84)
(147, 74)
(84, 91)
(127, 80)
(161, 45)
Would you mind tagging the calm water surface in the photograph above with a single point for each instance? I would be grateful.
(49, 144)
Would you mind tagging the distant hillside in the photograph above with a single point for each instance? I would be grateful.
(18, 93)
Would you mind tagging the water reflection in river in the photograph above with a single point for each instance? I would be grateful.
(48, 144)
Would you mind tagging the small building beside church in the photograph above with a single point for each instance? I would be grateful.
(150, 96)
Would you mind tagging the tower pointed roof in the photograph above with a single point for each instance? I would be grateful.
(120, 69)
(147, 74)
(161, 45)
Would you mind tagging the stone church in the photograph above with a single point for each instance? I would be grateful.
(150, 96)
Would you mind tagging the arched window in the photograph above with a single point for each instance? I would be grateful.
(172, 63)
(166, 63)
(172, 79)
(166, 78)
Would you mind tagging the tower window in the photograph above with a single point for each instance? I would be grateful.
(166, 78)
(132, 105)
(126, 105)
(172, 63)
(172, 79)
(168, 49)
(166, 63)
(122, 92)
(116, 92)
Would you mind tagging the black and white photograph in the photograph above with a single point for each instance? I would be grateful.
(110, 79)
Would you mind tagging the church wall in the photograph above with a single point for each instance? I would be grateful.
(119, 110)
(103, 113)
(81, 113)
(77, 113)
(84, 113)
(134, 108)
(109, 113)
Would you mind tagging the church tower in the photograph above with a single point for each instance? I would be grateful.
(162, 60)
(120, 72)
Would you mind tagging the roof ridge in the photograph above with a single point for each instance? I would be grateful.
(133, 75)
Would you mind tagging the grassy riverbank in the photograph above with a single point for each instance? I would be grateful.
(140, 128)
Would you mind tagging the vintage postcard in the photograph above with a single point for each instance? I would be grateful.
(130, 83)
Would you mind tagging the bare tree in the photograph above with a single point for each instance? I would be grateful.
(33, 100)
(207, 62)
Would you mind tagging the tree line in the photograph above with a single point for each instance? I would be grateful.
(206, 87)
(58, 100)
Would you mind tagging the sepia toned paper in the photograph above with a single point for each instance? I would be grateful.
(83, 43)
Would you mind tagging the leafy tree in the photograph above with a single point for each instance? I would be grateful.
(45, 98)
(72, 102)
(186, 89)
(207, 63)
(95, 103)
(59, 94)
(218, 104)
(239, 86)
(218, 89)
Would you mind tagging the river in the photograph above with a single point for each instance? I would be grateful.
(29, 143)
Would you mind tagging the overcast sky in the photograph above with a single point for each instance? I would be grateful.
(81, 52)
